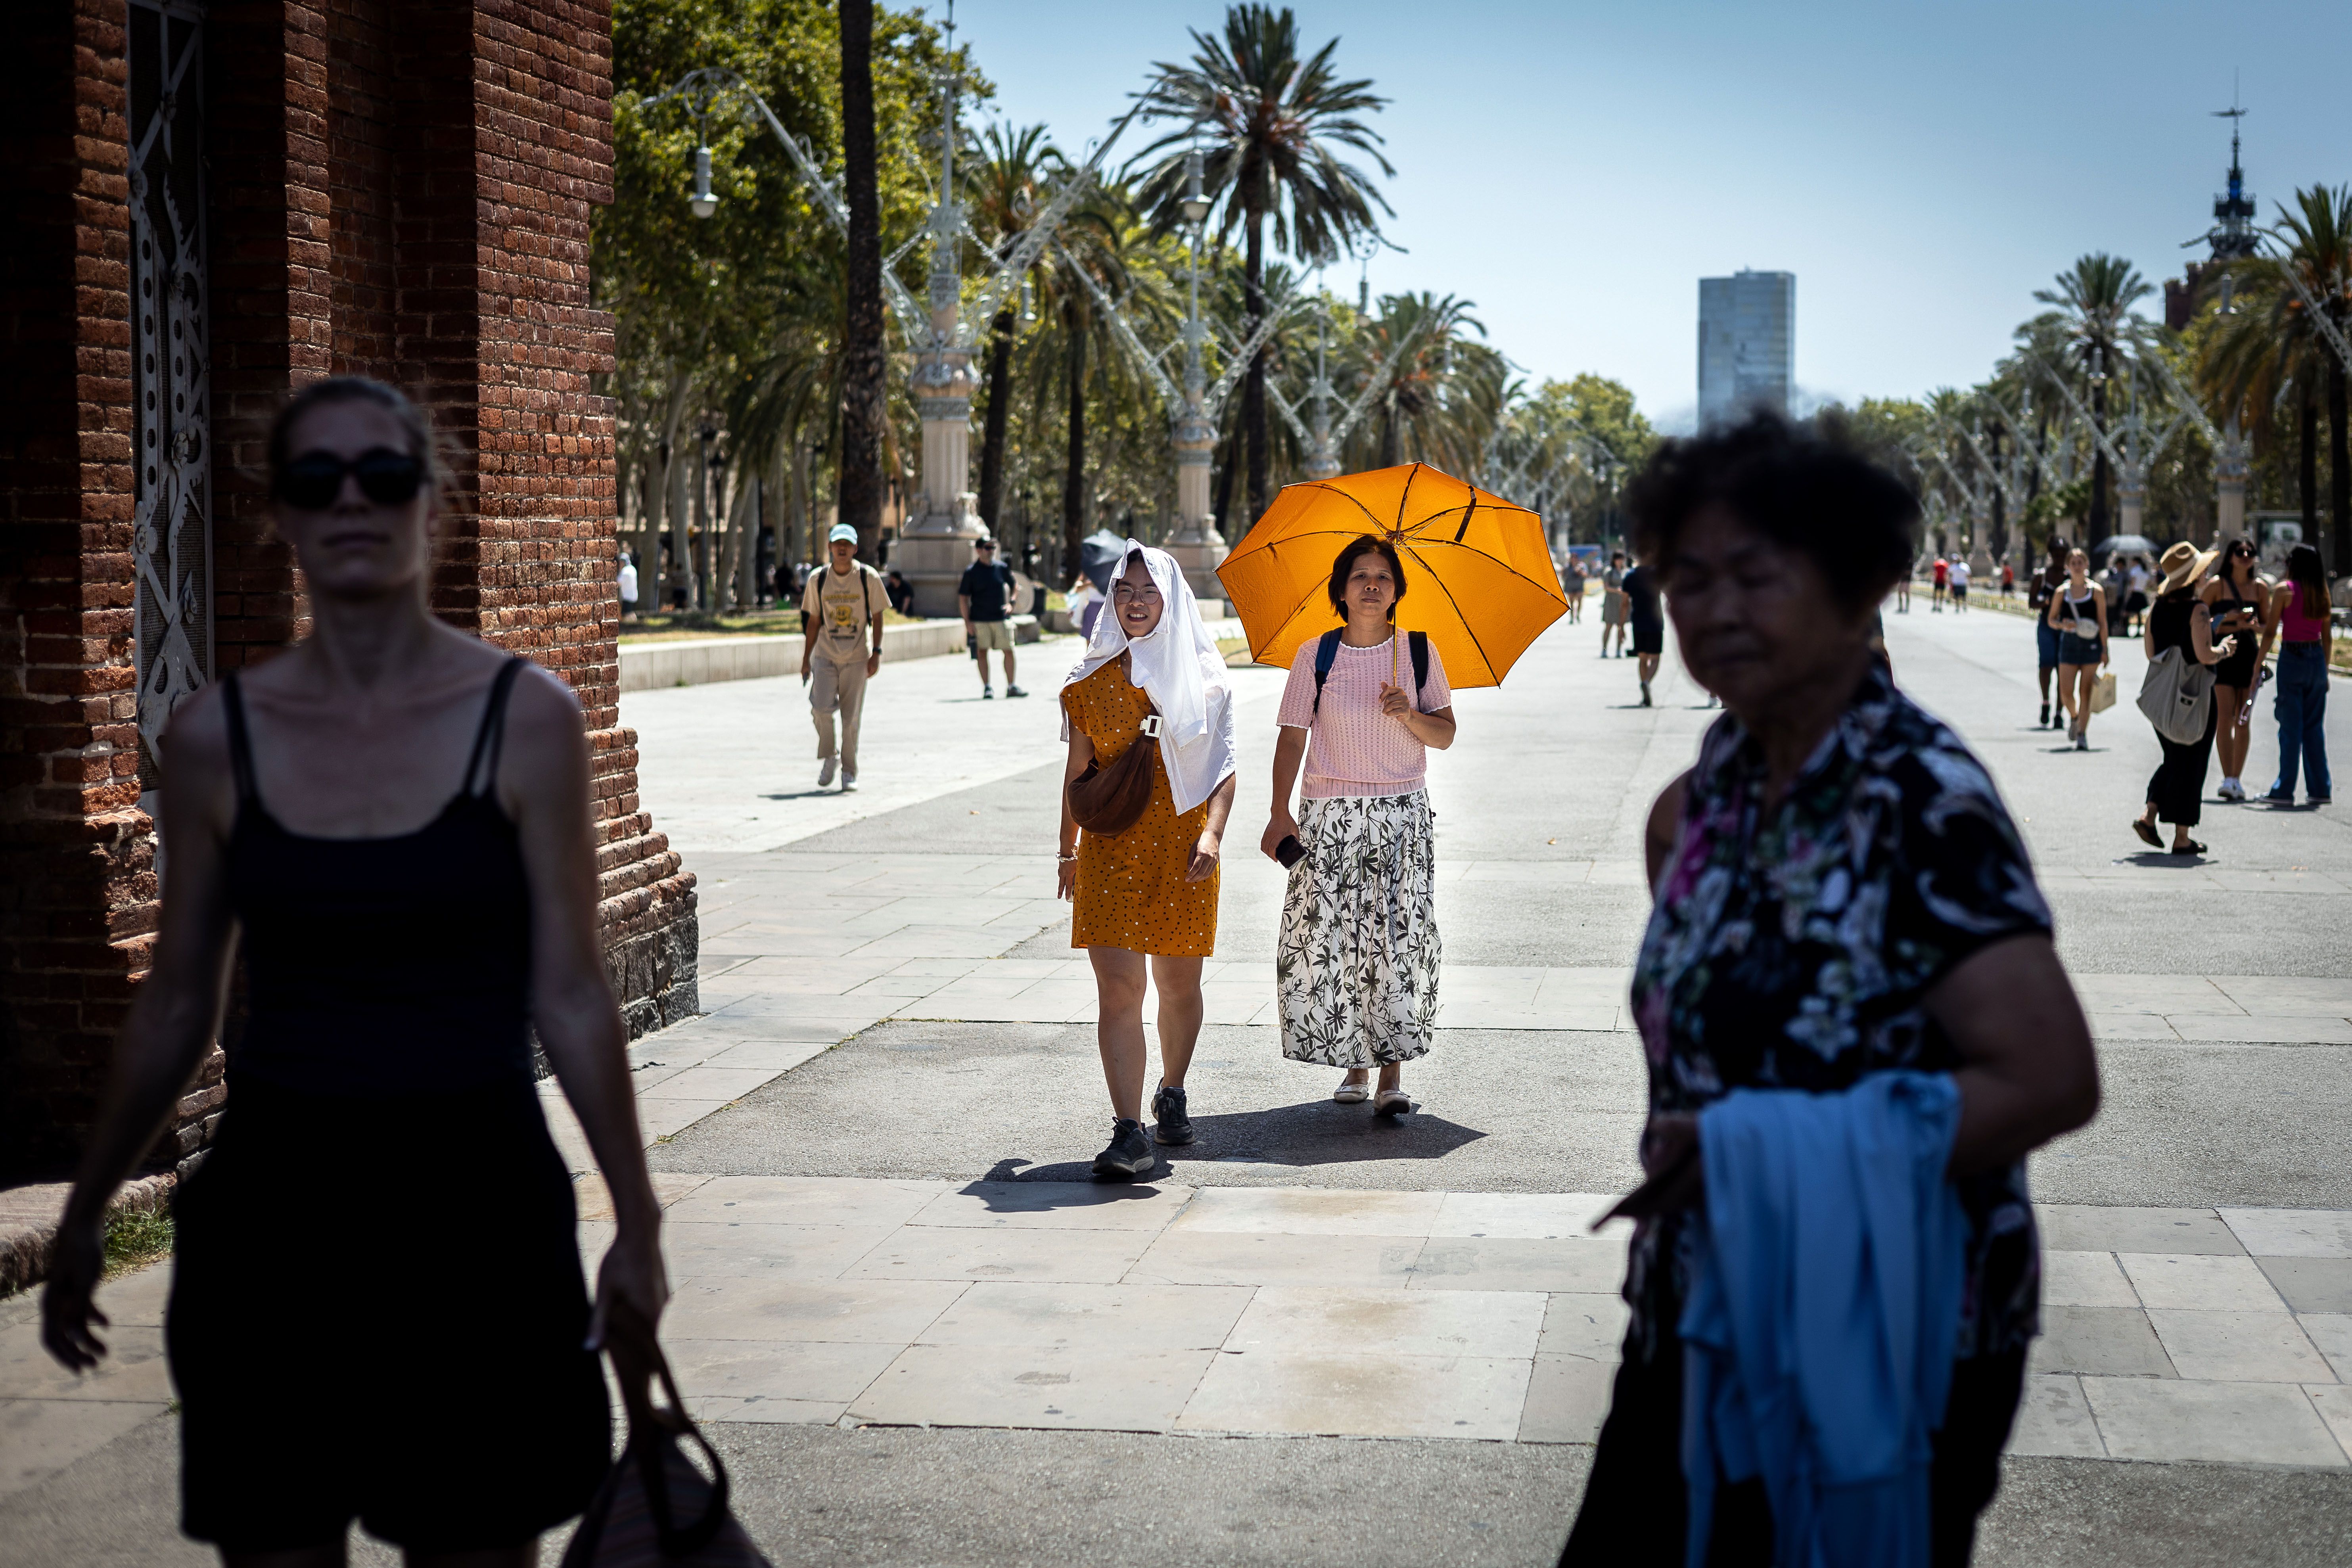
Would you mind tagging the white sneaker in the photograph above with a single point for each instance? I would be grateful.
(849, 782)
(824, 773)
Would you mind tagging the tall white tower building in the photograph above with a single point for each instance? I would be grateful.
(1747, 343)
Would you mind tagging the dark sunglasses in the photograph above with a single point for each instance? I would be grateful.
(387, 477)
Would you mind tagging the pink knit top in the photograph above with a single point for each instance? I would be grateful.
(1352, 747)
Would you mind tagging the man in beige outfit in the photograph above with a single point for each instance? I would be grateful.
(843, 601)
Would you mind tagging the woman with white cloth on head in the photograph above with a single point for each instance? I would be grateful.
(1148, 890)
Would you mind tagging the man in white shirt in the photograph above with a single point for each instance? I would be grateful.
(628, 587)
(1959, 586)
(843, 601)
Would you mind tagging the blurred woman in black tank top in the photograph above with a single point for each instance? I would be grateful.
(391, 823)
(2239, 601)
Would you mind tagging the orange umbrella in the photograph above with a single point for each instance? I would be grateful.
(1478, 576)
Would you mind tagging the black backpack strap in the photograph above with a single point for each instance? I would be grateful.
(1418, 644)
(240, 745)
(484, 761)
(1326, 650)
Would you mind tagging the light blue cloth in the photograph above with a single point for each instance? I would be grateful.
(1823, 1314)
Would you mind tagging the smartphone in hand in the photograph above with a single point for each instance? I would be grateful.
(1290, 852)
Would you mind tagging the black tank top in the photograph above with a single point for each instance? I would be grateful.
(383, 966)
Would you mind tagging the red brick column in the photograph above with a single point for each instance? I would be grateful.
(397, 189)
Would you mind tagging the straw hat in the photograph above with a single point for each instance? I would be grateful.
(2183, 564)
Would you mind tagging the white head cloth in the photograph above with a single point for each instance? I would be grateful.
(1179, 666)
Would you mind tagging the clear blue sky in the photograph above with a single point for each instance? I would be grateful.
(1576, 168)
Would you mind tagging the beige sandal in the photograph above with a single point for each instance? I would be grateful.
(1392, 1102)
(1351, 1094)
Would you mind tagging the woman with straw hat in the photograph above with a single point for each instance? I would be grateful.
(1146, 893)
(2179, 618)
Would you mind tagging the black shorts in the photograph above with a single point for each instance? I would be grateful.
(398, 1343)
(1649, 636)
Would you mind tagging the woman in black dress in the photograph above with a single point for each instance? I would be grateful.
(390, 821)
(2179, 618)
(2239, 601)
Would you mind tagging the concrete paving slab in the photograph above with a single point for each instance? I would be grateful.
(2084, 1279)
(2334, 1404)
(2199, 1282)
(1110, 1318)
(2238, 1347)
(806, 1200)
(2173, 1422)
(2292, 1233)
(134, 1369)
(39, 1438)
(824, 1373)
(2311, 1284)
(1379, 1323)
(1501, 1263)
(1527, 1215)
(1567, 1399)
(2331, 1334)
(1301, 1212)
(1587, 1325)
(2112, 1341)
(940, 1252)
(2055, 1420)
(1056, 1205)
(1345, 1394)
(2072, 1228)
(1035, 1385)
(1213, 1257)
(780, 1251)
(863, 1312)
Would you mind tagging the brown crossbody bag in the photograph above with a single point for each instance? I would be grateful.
(1108, 800)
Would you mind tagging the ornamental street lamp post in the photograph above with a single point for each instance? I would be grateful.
(1192, 538)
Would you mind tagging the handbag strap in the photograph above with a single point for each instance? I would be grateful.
(637, 1364)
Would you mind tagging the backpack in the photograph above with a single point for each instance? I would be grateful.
(1326, 653)
(2177, 695)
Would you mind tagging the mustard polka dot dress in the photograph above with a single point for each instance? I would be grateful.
(1131, 888)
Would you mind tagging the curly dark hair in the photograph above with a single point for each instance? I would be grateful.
(1795, 484)
(1355, 548)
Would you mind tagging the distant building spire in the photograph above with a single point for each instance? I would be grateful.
(2233, 237)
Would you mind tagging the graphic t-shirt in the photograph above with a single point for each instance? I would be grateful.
(842, 605)
(987, 584)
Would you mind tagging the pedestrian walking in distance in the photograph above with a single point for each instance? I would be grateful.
(2078, 613)
(841, 610)
(1356, 968)
(1902, 588)
(1959, 586)
(982, 598)
(1571, 583)
(1845, 930)
(2039, 592)
(2179, 618)
(1649, 622)
(2300, 619)
(626, 582)
(1943, 569)
(389, 824)
(2240, 603)
(1612, 603)
(1146, 887)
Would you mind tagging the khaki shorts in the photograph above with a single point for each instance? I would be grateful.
(992, 636)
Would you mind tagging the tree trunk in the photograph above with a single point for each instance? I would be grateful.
(992, 440)
(1253, 382)
(678, 581)
(1999, 503)
(2340, 470)
(2306, 469)
(1389, 443)
(1074, 473)
(860, 462)
(2098, 518)
(1225, 453)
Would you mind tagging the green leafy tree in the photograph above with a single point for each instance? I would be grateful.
(2092, 298)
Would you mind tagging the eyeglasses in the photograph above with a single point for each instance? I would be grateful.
(388, 477)
(1124, 591)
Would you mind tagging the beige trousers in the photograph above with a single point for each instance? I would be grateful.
(837, 684)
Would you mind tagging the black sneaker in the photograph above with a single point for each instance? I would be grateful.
(1130, 1154)
(1011, 690)
(2044, 722)
(1171, 1124)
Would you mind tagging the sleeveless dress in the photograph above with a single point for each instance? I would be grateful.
(377, 1304)
(2237, 669)
(2177, 788)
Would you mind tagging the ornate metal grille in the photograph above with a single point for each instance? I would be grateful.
(171, 364)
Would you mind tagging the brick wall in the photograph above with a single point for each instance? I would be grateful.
(400, 190)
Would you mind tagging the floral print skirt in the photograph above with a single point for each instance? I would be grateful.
(1357, 969)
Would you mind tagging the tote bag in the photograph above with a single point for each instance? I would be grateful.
(656, 1509)
(2177, 695)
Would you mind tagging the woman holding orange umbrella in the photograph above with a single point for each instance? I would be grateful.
(1357, 966)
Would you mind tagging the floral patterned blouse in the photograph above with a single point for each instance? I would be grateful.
(1796, 950)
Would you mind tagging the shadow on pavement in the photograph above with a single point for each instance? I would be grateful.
(1316, 1132)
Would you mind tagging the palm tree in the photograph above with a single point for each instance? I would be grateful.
(2091, 298)
(1445, 393)
(1270, 127)
(1007, 189)
(859, 472)
(2266, 352)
